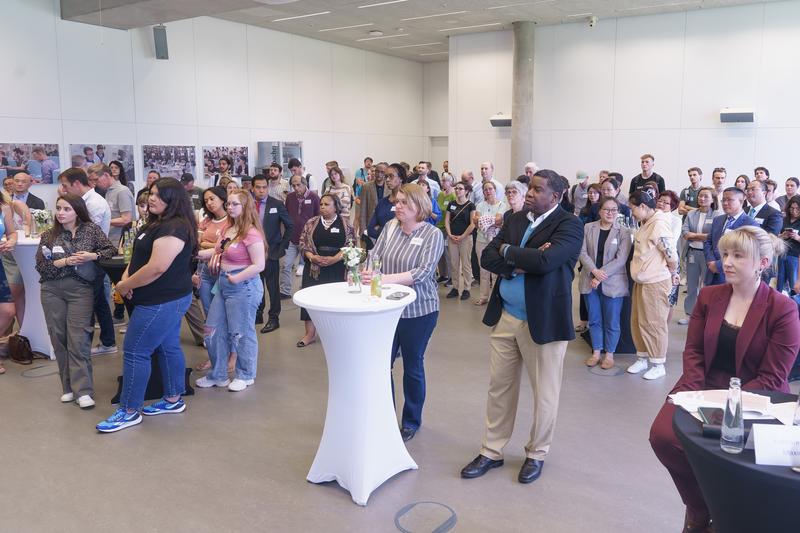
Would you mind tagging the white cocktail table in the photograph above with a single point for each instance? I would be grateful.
(33, 325)
(361, 446)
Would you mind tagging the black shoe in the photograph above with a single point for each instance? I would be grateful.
(407, 434)
(465, 295)
(286, 296)
(452, 294)
(259, 319)
(441, 279)
(272, 325)
(479, 466)
(531, 470)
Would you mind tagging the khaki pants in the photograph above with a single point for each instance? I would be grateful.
(196, 320)
(487, 278)
(460, 263)
(649, 317)
(511, 346)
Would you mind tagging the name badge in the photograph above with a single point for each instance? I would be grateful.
(615, 241)
(416, 241)
(140, 237)
(452, 208)
(58, 250)
(334, 230)
(273, 210)
(760, 221)
(235, 245)
(308, 201)
(393, 208)
(777, 445)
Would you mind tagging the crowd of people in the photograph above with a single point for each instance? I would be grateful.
(521, 243)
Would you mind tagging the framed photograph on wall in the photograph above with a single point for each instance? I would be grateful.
(211, 162)
(86, 154)
(280, 151)
(172, 161)
(40, 160)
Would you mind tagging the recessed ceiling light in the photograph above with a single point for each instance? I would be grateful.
(302, 16)
(438, 15)
(384, 37)
(348, 27)
(470, 27)
(382, 3)
(434, 53)
(375, 33)
(413, 45)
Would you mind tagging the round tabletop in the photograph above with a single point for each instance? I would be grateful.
(28, 241)
(334, 297)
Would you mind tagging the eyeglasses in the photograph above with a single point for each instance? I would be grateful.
(611, 210)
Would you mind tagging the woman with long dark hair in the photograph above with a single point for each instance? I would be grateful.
(118, 172)
(65, 261)
(158, 281)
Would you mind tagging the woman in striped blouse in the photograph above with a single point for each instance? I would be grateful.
(409, 249)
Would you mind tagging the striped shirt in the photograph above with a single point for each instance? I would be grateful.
(417, 253)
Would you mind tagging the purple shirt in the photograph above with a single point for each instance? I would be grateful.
(301, 208)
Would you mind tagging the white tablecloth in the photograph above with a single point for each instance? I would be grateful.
(34, 326)
(361, 445)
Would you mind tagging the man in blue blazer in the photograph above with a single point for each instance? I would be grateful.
(273, 214)
(769, 218)
(733, 218)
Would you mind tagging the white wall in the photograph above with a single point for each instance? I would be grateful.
(604, 96)
(224, 84)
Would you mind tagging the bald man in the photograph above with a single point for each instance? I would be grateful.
(22, 182)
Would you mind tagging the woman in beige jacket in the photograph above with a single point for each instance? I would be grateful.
(652, 269)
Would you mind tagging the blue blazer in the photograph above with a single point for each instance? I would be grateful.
(770, 220)
(711, 246)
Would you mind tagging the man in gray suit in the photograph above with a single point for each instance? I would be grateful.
(371, 193)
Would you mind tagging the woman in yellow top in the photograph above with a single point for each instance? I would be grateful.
(653, 269)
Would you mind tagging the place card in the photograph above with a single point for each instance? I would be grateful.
(777, 445)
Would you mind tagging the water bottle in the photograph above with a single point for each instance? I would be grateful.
(375, 284)
(732, 438)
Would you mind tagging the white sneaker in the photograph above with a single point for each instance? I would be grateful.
(123, 330)
(205, 382)
(655, 372)
(68, 397)
(240, 384)
(85, 402)
(299, 270)
(683, 321)
(104, 350)
(638, 366)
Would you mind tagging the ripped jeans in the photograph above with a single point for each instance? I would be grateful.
(230, 327)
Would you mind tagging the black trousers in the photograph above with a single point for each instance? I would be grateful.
(270, 276)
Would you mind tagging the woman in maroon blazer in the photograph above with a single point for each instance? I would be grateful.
(742, 328)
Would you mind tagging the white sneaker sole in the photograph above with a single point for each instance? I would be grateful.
(209, 385)
(124, 426)
(166, 412)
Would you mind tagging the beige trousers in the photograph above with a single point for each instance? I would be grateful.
(460, 263)
(649, 317)
(511, 346)
(487, 278)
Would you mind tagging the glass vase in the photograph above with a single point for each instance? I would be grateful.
(353, 280)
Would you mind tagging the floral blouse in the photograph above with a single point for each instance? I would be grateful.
(88, 238)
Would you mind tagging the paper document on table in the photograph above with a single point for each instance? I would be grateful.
(784, 412)
(693, 400)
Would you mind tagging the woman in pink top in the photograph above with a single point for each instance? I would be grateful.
(239, 258)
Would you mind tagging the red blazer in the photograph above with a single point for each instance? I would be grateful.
(766, 346)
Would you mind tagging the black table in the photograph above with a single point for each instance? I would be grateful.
(741, 495)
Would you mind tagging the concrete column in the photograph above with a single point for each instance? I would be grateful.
(522, 98)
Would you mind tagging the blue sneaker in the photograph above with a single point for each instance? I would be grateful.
(163, 407)
(121, 419)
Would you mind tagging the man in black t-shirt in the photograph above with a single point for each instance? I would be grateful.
(647, 174)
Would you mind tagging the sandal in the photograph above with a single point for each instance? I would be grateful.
(607, 364)
(480, 302)
(204, 366)
(592, 360)
(302, 344)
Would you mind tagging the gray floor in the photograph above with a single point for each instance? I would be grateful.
(237, 462)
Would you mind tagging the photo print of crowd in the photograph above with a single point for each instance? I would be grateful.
(85, 155)
(172, 161)
(237, 156)
(40, 161)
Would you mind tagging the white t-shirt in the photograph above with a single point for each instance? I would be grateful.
(486, 209)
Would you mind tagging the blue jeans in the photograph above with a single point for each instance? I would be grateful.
(787, 272)
(154, 328)
(102, 311)
(207, 282)
(229, 327)
(604, 313)
(412, 336)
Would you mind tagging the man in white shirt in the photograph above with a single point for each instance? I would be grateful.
(75, 181)
(119, 199)
(423, 170)
(487, 174)
(765, 216)
(530, 169)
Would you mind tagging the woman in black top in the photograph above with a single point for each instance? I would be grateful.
(158, 281)
(65, 261)
(787, 265)
(321, 244)
(459, 227)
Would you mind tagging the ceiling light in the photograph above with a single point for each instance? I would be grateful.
(438, 15)
(677, 4)
(521, 4)
(375, 33)
(579, 15)
(382, 3)
(302, 16)
(434, 53)
(413, 45)
(348, 27)
(384, 37)
(470, 27)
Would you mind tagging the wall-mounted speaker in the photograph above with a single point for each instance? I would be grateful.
(160, 41)
(732, 114)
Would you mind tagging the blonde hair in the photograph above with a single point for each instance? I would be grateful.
(752, 241)
(249, 217)
(421, 200)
